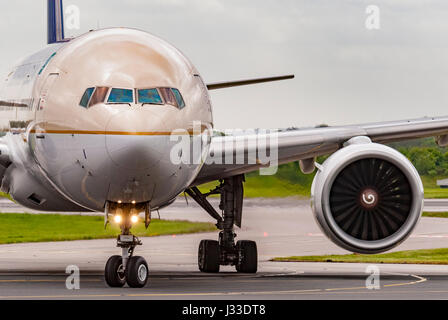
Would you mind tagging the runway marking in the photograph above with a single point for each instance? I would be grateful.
(429, 236)
(222, 293)
(336, 289)
(43, 280)
(63, 296)
(420, 280)
(198, 294)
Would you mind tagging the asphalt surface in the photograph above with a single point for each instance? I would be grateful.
(281, 227)
(266, 285)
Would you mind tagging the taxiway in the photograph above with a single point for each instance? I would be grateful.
(281, 227)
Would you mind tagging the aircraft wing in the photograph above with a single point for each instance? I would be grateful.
(306, 144)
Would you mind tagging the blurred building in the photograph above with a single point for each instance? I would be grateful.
(442, 183)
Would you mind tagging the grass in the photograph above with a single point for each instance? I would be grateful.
(436, 193)
(431, 256)
(19, 228)
(5, 195)
(435, 214)
(266, 187)
(432, 190)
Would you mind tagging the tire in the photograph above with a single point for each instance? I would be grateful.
(114, 278)
(137, 272)
(248, 260)
(209, 256)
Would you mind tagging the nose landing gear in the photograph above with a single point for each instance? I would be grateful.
(127, 268)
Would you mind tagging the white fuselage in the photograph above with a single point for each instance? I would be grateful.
(66, 156)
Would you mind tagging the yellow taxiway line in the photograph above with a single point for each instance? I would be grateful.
(418, 280)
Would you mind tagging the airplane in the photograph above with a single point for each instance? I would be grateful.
(87, 125)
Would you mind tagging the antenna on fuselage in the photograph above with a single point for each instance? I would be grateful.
(55, 21)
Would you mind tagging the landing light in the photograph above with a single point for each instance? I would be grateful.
(134, 219)
(118, 218)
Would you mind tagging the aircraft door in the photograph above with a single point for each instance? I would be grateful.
(44, 97)
(43, 147)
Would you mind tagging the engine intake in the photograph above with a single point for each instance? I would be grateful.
(367, 197)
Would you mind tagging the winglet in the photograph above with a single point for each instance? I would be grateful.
(222, 85)
(55, 24)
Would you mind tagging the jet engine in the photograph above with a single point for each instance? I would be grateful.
(367, 197)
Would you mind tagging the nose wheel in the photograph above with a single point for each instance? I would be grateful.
(129, 269)
(137, 272)
(114, 272)
(126, 268)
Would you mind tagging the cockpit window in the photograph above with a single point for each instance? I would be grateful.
(98, 96)
(86, 97)
(168, 96)
(121, 96)
(150, 96)
(179, 99)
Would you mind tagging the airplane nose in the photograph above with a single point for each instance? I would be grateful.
(134, 139)
(138, 146)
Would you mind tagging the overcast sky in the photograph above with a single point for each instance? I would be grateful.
(345, 73)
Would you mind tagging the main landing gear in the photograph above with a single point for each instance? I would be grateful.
(126, 268)
(212, 254)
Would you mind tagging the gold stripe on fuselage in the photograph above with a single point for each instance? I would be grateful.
(116, 133)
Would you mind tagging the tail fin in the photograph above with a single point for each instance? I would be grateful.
(55, 21)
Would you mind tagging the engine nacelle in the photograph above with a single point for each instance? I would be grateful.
(367, 197)
(32, 193)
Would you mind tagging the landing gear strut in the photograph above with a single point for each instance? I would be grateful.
(212, 254)
(126, 268)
